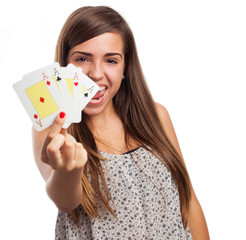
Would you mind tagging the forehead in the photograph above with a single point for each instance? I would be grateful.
(104, 43)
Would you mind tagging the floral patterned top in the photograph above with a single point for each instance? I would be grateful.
(144, 197)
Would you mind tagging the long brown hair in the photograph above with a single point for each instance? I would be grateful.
(133, 104)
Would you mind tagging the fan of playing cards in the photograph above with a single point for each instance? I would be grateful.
(52, 89)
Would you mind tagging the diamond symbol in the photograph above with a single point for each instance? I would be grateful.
(48, 83)
(41, 99)
(35, 116)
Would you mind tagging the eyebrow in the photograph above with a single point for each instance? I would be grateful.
(91, 55)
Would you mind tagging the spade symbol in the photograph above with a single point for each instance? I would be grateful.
(86, 94)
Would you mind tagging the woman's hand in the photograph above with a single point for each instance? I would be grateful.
(61, 160)
(60, 150)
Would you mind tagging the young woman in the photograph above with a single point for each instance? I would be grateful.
(119, 173)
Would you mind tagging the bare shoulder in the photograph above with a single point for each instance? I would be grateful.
(164, 116)
(168, 125)
(162, 111)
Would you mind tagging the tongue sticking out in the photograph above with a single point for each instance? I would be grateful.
(99, 94)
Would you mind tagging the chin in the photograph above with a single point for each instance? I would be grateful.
(90, 111)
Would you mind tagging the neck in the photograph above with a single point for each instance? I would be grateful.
(105, 118)
(108, 131)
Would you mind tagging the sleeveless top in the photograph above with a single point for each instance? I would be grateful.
(144, 197)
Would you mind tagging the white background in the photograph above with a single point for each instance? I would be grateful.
(193, 54)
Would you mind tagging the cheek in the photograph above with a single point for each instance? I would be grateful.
(115, 74)
(115, 78)
(85, 68)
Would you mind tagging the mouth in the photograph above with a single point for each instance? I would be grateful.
(98, 98)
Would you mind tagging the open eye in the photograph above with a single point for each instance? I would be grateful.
(112, 61)
(81, 59)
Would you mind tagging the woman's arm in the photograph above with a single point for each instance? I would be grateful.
(60, 160)
(196, 220)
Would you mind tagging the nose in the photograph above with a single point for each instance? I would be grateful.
(96, 71)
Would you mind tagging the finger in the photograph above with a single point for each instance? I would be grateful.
(53, 151)
(80, 155)
(70, 138)
(54, 129)
(64, 131)
(68, 155)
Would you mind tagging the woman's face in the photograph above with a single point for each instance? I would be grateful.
(101, 59)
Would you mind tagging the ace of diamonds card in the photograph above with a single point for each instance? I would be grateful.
(40, 98)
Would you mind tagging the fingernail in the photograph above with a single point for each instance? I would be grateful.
(62, 115)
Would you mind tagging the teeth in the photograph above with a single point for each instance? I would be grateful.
(102, 88)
